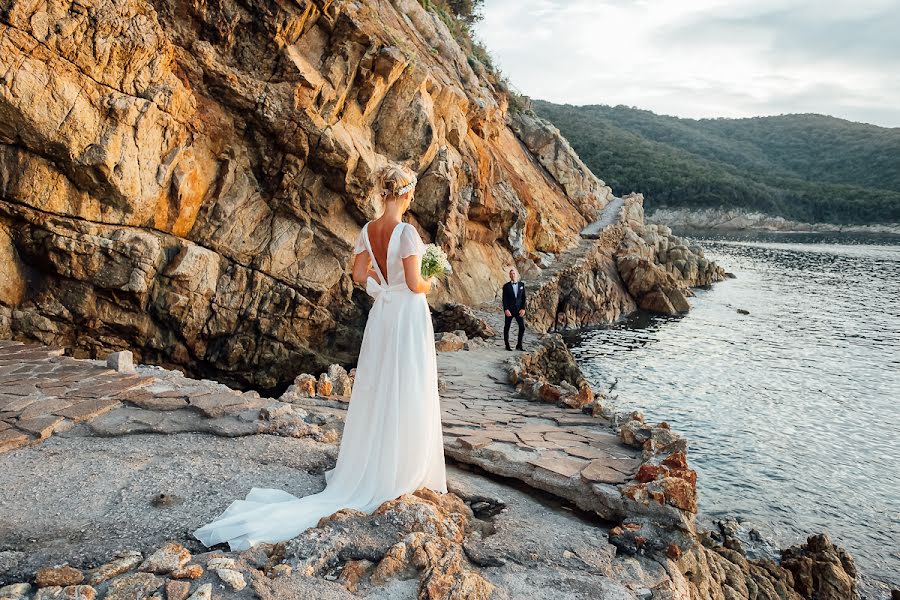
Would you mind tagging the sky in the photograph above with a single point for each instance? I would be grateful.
(704, 58)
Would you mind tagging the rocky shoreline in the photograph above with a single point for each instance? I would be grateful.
(469, 544)
(741, 220)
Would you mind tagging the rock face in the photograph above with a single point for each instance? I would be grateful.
(658, 268)
(549, 373)
(699, 566)
(821, 569)
(453, 317)
(185, 180)
(419, 534)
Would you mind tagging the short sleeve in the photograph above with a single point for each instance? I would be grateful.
(360, 242)
(410, 242)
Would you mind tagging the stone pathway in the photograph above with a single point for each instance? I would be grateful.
(43, 392)
(560, 450)
(607, 218)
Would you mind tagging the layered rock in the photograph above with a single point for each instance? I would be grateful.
(698, 565)
(419, 534)
(185, 180)
(549, 373)
(658, 268)
(452, 317)
(582, 286)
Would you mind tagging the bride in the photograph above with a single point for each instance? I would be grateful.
(392, 441)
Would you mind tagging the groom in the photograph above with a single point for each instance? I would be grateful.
(514, 307)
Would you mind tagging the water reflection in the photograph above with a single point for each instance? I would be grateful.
(792, 409)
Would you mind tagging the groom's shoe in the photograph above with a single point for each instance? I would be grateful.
(519, 347)
(508, 348)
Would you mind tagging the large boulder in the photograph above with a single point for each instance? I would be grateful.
(821, 570)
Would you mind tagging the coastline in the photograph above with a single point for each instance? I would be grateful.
(715, 219)
(660, 368)
(646, 546)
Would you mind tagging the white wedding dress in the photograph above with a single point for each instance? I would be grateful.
(392, 442)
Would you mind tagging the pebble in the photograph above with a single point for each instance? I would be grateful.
(188, 572)
(177, 590)
(170, 557)
(124, 562)
(15, 591)
(70, 592)
(220, 562)
(136, 585)
(233, 578)
(58, 576)
(51, 592)
(79, 592)
(204, 592)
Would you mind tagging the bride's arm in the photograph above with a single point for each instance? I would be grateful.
(413, 272)
(361, 268)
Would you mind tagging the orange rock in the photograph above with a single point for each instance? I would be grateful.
(676, 460)
(188, 572)
(673, 551)
(352, 574)
(325, 386)
(549, 393)
(177, 590)
(688, 475)
(341, 515)
(58, 576)
(648, 473)
(679, 493)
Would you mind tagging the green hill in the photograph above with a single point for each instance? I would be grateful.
(802, 167)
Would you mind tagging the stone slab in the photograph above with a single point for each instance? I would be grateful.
(19, 405)
(220, 405)
(11, 439)
(89, 409)
(41, 427)
(567, 467)
(600, 471)
(44, 407)
(475, 442)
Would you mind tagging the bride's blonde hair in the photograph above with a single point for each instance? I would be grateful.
(392, 179)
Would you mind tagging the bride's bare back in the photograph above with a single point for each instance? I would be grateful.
(380, 232)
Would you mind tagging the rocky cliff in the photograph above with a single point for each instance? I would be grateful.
(184, 178)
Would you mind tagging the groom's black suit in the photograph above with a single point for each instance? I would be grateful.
(514, 302)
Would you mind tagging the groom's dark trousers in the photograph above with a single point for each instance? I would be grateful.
(514, 302)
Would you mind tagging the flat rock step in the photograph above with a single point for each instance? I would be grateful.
(561, 451)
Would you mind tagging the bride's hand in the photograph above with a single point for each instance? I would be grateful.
(432, 282)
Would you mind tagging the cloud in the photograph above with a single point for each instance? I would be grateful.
(704, 58)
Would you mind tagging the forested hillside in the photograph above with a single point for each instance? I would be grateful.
(803, 167)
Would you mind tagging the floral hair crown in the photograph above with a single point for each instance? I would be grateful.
(407, 188)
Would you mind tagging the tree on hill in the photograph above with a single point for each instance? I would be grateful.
(802, 167)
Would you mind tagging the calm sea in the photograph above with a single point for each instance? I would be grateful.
(792, 411)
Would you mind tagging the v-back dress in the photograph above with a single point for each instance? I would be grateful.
(392, 442)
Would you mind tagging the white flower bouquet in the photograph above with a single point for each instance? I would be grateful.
(435, 262)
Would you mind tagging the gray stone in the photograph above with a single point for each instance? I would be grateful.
(15, 591)
(122, 362)
(204, 592)
(136, 585)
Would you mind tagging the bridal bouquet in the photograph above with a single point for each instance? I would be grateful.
(435, 262)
